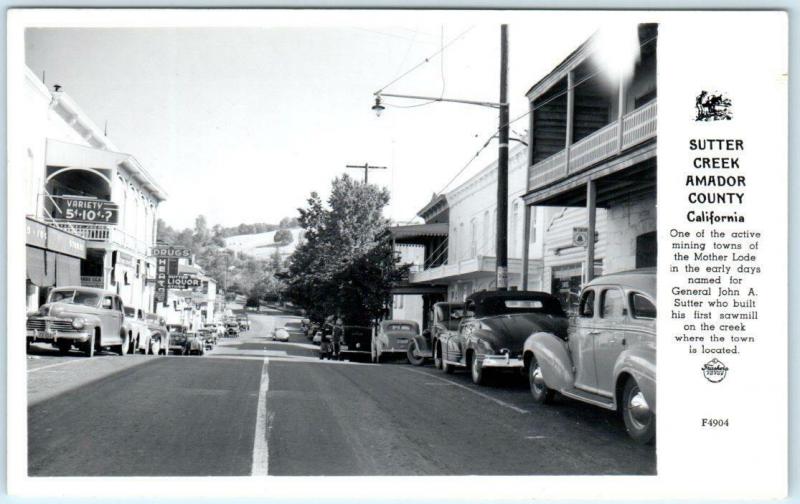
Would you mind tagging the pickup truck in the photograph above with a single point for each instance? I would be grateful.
(82, 317)
(138, 332)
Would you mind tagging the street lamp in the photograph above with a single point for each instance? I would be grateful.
(502, 159)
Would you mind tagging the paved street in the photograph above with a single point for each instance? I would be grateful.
(254, 406)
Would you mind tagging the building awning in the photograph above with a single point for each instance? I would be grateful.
(68, 270)
(37, 267)
(416, 233)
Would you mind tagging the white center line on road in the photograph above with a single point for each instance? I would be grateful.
(260, 448)
(481, 394)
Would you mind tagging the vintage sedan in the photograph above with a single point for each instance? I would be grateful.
(159, 335)
(138, 330)
(445, 318)
(82, 317)
(494, 329)
(608, 359)
(392, 337)
(178, 342)
(195, 345)
(354, 341)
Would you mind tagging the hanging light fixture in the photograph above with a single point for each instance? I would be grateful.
(378, 108)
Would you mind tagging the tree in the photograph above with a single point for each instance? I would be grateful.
(346, 264)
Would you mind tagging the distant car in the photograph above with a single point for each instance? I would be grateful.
(177, 342)
(159, 335)
(494, 329)
(354, 341)
(392, 337)
(608, 357)
(138, 331)
(280, 334)
(86, 318)
(209, 336)
(195, 344)
(232, 330)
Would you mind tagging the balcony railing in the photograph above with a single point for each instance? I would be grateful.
(637, 126)
(104, 233)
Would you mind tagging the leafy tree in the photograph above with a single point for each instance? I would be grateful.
(346, 264)
(283, 237)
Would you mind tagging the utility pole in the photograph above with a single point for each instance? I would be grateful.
(366, 167)
(502, 167)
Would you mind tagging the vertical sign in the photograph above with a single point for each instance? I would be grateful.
(161, 279)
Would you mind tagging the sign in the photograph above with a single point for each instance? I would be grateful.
(35, 233)
(87, 210)
(170, 251)
(580, 236)
(161, 279)
(124, 259)
(65, 243)
(183, 281)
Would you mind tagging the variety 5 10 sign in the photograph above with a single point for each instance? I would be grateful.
(87, 210)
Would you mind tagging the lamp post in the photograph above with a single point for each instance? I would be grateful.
(501, 244)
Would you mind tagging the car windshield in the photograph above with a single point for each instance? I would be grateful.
(398, 327)
(75, 297)
(452, 313)
(502, 306)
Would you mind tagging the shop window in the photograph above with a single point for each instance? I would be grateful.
(646, 250)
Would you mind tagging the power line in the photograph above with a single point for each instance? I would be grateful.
(426, 60)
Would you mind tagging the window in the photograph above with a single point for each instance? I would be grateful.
(587, 304)
(612, 304)
(107, 303)
(473, 237)
(642, 307)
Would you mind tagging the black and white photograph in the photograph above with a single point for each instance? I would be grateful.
(361, 244)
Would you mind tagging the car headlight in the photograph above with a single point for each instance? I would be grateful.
(78, 323)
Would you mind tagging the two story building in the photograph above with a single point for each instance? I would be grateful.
(592, 146)
(79, 183)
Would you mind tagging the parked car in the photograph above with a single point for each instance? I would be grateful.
(609, 356)
(195, 344)
(494, 329)
(244, 324)
(138, 332)
(81, 317)
(159, 335)
(354, 341)
(232, 330)
(178, 342)
(280, 334)
(444, 318)
(209, 336)
(392, 337)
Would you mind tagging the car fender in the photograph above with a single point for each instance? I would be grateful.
(640, 363)
(554, 359)
(422, 343)
(91, 320)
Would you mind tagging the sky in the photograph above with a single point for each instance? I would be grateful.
(242, 124)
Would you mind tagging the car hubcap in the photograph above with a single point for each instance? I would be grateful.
(537, 380)
(639, 409)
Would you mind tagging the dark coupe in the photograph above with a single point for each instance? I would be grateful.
(494, 329)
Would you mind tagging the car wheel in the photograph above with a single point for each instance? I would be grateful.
(123, 348)
(539, 390)
(412, 354)
(437, 357)
(476, 371)
(639, 419)
(447, 368)
(88, 347)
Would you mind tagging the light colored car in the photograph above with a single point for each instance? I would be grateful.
(609, 356)
(392, 337)
(159, 335)
(138, 331)
(82, 317)
(280, 334)
(195, 344)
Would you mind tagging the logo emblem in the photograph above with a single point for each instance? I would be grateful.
(713, 107)
(714, 370)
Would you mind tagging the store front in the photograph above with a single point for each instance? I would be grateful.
(53, 259)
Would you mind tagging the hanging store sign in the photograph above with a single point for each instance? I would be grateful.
(170, 251)
(86, 210)
(183, 281)
(162, 274)
(580, 236)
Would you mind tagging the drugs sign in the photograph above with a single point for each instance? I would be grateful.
(170, 251)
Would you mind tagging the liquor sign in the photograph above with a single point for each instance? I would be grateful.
(183, 281)
(86, 210)
(170, 251)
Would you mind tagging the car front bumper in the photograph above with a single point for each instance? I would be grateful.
(35, 336)
(503, 361)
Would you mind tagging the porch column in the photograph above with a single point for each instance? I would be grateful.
(526, 240)
(622, 98)
(570, 113)
(591, 197)
(530, 146)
